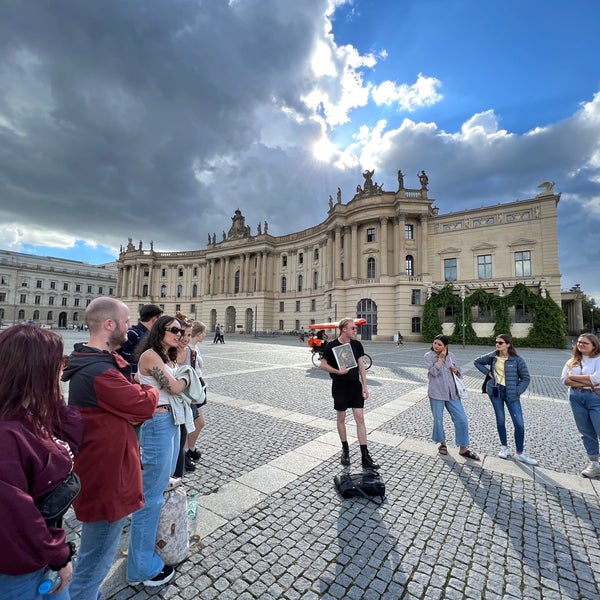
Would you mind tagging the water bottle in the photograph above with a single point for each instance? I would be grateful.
(50, 583)
(192, 505)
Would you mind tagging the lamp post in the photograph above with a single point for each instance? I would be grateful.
(592, 317)
(462, 305)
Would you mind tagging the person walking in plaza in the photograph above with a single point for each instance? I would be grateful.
(101, 388)
(148, 315)
(509, 378)
(217, 333)
(159, 441)
(349, 390)
(442, 392)
(38, 436)
(198, 335)
(581, 374)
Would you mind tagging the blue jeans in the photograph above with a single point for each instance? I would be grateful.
(159, 440)
(516, 414)
(96, 554)
(25, 587)
(585, 405)
(458, 416)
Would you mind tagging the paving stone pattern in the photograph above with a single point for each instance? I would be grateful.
(448, 528)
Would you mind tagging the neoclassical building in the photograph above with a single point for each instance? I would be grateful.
(378, 256)
(52, 292)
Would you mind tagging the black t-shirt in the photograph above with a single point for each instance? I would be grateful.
(357, 350)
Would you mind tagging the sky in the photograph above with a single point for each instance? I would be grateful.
(156, 120)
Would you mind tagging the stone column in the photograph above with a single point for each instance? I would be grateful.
(337, 253)
(421, 267)
(354, 251)
(246, 272)
(329, 263)
(384, 246)
(226, 275)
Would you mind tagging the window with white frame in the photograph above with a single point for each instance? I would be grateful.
(484, 266)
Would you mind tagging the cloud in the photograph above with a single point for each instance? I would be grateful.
(424, 92)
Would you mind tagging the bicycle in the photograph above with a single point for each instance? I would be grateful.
(318, 355)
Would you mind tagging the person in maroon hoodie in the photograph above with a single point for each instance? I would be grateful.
(109, 464)
(38, 436)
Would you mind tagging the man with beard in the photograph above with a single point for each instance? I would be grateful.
(108, 463)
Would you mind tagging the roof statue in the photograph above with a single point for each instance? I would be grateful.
(238, 227)
(548, 187)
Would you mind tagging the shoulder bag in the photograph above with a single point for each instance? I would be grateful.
(461, 389)
(366, 485)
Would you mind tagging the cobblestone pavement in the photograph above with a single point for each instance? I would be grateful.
(271, 524)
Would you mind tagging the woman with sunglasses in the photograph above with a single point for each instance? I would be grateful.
(581, 374)
(159, 441)
(509, 378)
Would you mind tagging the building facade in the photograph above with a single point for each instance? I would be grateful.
(378, 256)
(52, 292)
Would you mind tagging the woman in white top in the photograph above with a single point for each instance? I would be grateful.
(582, 374)
(198, 334)
(159, 441)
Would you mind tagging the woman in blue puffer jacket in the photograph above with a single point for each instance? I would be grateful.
(509, 378)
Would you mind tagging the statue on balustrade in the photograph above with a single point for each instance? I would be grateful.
(424, 180)
(339, 196)
(400, 180)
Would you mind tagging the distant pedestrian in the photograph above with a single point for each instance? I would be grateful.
(400, 339)
(442, 392)
(509, 378)
(222, 334)
(148, 315)
(217, 333)
(582, 374)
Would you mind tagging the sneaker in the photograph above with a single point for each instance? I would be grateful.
(161, 578)
(528, 460)
(345, 458)
(592, 470)
(194, 454)
(173, 483)
(504, 453)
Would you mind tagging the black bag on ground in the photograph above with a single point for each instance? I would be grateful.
(367, 485)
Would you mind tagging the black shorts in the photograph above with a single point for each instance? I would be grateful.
(347, 394)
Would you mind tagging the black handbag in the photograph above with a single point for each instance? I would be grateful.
(54, 505)
(484, 384)
(366, 485)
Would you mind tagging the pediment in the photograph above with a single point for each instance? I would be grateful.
(522, 242)
(483, 247)
(450, 250)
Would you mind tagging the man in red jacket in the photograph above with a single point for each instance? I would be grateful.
(108, 463)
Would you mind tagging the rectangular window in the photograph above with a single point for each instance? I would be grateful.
(53, 285)
(146, 271)
(78, 287)
(193, 309)
(51, 300)
(2, 296)
(87, 302)
(65, 287)
(195, 271)
(449, 269)
(3, 280)
(178, 308)
(180, 271)
(110, 291)
(64, 302)
(313, 305)
(300, 258)
(316, 254)
(37, 300)
(409, 232)
(163, 272)
(280, 324)
(415, 297)
(38, 284)
(297, 305)
(282, 307)
(484, 266)
(284, 261)
(523, 263)
(371, 234)
(89, 289)
(76, 302)
(100, 290)
(23, 299)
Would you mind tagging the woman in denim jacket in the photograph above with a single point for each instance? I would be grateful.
(509, 379)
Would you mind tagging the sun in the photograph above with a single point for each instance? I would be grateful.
(323, 150)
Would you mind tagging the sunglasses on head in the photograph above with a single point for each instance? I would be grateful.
(175, 330)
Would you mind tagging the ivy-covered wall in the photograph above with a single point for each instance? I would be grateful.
(549, 328)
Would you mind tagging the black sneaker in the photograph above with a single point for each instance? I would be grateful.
(163, 577)
(190, 465)
(345, 458)
(194, 454)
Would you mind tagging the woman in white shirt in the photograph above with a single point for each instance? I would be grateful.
(198, 334)
(582, 374)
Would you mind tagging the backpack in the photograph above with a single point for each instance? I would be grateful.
(172, 535)
(367, 485)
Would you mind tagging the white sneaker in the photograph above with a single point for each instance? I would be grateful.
(504, 453)
(527, 459)
(592, 470)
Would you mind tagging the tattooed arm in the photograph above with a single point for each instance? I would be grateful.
(162, 379)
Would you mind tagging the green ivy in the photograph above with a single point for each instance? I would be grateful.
(549, 328)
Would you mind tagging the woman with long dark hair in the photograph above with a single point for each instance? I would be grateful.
(159, 441)
(38, 436)
(442, 392)
(582, 374)
(509, 378)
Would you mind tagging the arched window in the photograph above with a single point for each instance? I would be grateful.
(163, 291)
(410, 265)
(283, 285)
(300, 282)
(145, 289)
(21, 315)
(36, 315)
(179, 290)
(194, 290)
(370, 268)
(236, 282)
(50, 316)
